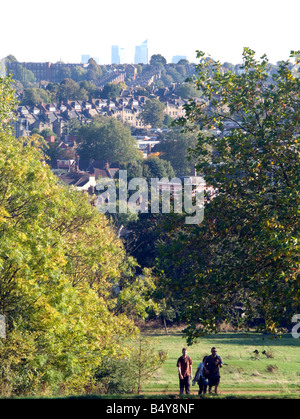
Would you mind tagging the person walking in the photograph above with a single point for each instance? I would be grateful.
(184, 365)
(200, 377)
(213, 363)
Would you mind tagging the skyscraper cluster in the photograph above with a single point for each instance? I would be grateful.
(118, 55)
(141, 53)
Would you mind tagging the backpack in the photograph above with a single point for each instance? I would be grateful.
(205, 371)
(197, 376)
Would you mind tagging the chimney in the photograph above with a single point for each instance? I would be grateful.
(77, 163)
(91, 190)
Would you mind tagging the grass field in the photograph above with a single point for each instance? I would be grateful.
(275, 371)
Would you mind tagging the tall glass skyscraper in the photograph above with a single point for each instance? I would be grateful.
(141, 53)
(115, 54)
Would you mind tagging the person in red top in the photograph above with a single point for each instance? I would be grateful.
(184, 365)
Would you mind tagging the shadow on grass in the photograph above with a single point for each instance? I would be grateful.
(239, 338)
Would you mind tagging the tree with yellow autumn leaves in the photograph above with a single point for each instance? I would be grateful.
(60, 263)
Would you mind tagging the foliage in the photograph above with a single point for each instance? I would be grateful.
(69, 89)
(47, 132)
(25, 76)
(145, 361)
(147, 233)
(187, 91)
(155, 167)
(246, 251)
(90, 88)
(153, 113)
(57, 278)
(34, 95)
(150, 167)
(158, 59)
(111, 90)
(175, 149)
(8, 102)
(94, 71)
(130, 373)
(114, 376)
(107, 139)
(135, 297)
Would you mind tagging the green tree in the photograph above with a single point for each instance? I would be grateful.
(110, 91)
(8, 102)
(176, 76)
(107, 139)
(155, 167)
(166, 79)
(158, 59)
(187, 91)
(78, 73)
(153, 113)
(53, 91)
(246, 250)
(146, 231)
(57, 278)
(183, 61)
(94, 72)
(90, 87)
(34, 96)
(54, 280)
(175, 149)
(65, 72)
(70, 90)
(11, 58)
(181, 69)
(115, 377)
(145, 361)
(25, 76)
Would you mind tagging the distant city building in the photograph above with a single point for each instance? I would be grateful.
(141, 53)
(85, 59)
(115, 54)
(52, 72)
(177, 58)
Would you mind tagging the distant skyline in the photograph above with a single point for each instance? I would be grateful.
(65, 30)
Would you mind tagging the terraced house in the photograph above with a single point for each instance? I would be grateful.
(57, 116)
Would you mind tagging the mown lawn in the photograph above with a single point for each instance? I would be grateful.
(276, 370)
(274, 374)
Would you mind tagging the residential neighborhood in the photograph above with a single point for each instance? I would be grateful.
(57, 116)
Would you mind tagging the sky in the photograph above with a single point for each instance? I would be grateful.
(38, 31)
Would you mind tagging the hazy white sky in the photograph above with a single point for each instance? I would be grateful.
(35, 30)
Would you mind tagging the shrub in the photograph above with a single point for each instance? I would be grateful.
(114, 376)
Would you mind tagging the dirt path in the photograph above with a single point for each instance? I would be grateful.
(223, 392)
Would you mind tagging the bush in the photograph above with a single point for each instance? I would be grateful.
(114, 376)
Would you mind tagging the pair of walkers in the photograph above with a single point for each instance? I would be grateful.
(207, 374)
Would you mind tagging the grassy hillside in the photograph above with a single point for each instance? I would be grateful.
(278, 369)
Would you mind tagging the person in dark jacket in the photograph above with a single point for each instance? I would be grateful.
(213, 363)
